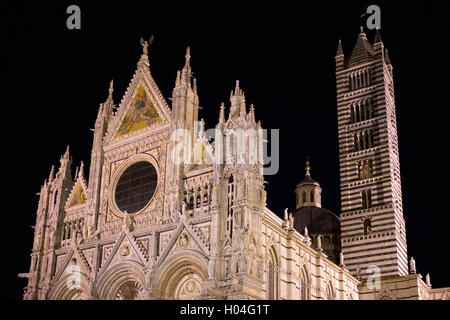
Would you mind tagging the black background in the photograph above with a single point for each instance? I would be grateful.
(283, 55)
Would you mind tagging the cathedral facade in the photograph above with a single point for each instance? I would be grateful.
(166, 214)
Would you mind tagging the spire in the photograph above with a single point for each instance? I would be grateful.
(361, 33)
(186, 73)
(363, 51)
(106, 108)
(178, 79)
(81, 170)
(51, 176)
(339, 52)
(187, 57)
(252, 112)
(194, 88)
(111, 90)
(237, 90)
(377, 36)
(237, 100)
(222, 113)
(66, 154)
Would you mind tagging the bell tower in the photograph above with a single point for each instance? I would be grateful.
(372, 224)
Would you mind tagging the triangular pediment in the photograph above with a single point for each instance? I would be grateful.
(78, 195)
(125, 249)
(143, 107)
(203, 156)
(184, 237)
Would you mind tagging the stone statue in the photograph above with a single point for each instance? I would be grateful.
(358, 272)
(341, 259)
(291, 222)
(412, 266)
(319, 243)
(144, 45)
(427, 280)
(183, 207)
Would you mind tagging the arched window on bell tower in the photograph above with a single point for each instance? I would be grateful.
(367, 226)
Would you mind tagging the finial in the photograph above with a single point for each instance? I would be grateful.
(339, 51)
(188, 56)
(361, 29)
(308, 166)
(237, 90)
(252, 112)
(80, 172)
(194, 85)
(52, 174)
(111, 89)
(427, 280)
(66, 154)
(222, 113)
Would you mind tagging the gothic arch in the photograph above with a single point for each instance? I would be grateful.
(62, 289)
(125, 280)
(272, 274)
(304, 283)
(181, 276)
(329, 291)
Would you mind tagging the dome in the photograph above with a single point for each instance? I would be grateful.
(318, 220)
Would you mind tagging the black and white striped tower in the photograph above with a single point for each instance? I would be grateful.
(372, 223)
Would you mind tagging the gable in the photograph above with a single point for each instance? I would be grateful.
(142, 106)
(141, 114)
(77, 196)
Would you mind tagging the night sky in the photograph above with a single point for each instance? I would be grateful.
(283, 55)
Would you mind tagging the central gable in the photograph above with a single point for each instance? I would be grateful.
(141, 114)
(142, 107)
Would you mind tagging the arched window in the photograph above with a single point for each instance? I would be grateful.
(367, 226)
(304, 196)
(365, 169)
(329, 294)
(272, 279)
(356, 142)
(352, 114)
(312, 196)
(366, 196)
(304, 285)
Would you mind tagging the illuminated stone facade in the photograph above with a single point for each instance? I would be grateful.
(143, 226)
